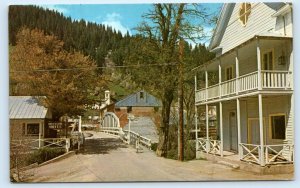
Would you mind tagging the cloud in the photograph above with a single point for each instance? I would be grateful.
(56, 8)
(114, 20)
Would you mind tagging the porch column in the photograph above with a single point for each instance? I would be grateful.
(258, 55)
(221, 127)
(196, 128)
(207, 129)
(196, 117)
(261, 130)
(206, 84)
(237, 72)
(220, 78)
(238, 111)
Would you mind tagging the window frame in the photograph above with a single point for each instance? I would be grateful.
(271, 127)
(226, 74)
(262, 58)
(27, 132)
(244, 15)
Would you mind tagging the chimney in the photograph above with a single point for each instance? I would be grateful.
(107, 97)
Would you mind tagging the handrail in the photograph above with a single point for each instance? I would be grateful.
(227, 81)
(276, 71)
(248, 74)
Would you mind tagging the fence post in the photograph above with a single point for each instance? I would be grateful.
(39, 140)
(67, 144)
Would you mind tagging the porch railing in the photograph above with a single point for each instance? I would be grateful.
(276, 79)
(202, 144)
(273, 154)
(247, 83)
(213, 91)
(250, 153)
(209, 145)
(277, 154)
(228, 87)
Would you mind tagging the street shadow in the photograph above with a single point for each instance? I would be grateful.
(101, 146)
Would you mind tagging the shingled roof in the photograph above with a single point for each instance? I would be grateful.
(26, 107)
(139, 99)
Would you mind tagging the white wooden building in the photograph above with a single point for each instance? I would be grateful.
(253, 43)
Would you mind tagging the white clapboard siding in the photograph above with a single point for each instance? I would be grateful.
(260, 21)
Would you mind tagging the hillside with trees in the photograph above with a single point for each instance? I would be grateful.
(148, 60)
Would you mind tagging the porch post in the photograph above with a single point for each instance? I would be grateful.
(221, 127)
(238, 111)
(206, 84)
(237, 72)
(196, 127)
(261, 130)
(220, 78)
(258, 55)
(207, 128)
(196, 117)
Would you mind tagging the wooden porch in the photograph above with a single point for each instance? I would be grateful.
(245, 84)
(250, 153)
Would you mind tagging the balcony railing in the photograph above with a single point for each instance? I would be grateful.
(270, 80)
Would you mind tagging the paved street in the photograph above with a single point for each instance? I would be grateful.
(106, 158)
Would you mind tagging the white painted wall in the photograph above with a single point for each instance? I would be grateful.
(260, 22)
(249, 109)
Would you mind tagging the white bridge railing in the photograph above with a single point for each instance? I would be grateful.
(246, 83)
(133, 138)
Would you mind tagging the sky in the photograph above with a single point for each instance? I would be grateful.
(122, 17)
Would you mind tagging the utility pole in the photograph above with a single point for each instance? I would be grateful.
(180, 101)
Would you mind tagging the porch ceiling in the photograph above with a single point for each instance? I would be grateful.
(246, 49)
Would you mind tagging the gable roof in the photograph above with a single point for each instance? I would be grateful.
(26, 107)
(223, 22)
(135, 99)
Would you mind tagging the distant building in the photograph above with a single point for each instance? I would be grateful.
(140, 103)
(28, 118)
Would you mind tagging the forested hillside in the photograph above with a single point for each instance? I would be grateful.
(91, 39)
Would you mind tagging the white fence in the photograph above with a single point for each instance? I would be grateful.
(209, 146)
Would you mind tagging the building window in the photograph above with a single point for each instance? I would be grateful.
(33, 128)
(278, 126)
(268, 60)
(141, 95)
(244, 13)
(129, 109)
(229, 73)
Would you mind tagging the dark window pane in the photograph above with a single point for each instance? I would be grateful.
(278, 127)
(33, 129)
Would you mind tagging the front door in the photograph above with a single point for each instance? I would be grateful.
(233, 131)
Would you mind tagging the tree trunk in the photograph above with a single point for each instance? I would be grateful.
(162, 147)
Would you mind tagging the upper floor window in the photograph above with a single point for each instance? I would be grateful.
(268, 60)
(229, 73)
(244, 13)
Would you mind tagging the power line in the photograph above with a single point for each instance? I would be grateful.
(87, 68)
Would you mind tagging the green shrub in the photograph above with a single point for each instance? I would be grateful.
(153, 146)
(44, 154)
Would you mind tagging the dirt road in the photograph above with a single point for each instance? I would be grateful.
(106, 159)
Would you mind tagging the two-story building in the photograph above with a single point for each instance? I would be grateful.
(253, 43)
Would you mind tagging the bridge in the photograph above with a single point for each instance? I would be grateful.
(111, 125)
